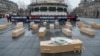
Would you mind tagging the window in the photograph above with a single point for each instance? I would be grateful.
(43, 9)
(52, 8)
(60, 9)
(65, 10)
(36, 9)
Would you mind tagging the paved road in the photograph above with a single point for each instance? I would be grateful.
(3, 20)
(97, 20)
(29, 43)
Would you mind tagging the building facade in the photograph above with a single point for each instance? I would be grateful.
(7, 6)
(88, 8)
(48, 7)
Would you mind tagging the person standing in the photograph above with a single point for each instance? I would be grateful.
(7, 18)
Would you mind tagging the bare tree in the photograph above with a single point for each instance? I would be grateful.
(69, 9)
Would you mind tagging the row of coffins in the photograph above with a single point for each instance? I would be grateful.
(67, 30)
(45, 24)
(19, 30)
(85, 29)
(95, 25)
(41, 30)
(5, 26)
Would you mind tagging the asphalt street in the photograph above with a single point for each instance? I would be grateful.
(29, 43)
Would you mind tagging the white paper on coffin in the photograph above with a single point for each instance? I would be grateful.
(60, 41)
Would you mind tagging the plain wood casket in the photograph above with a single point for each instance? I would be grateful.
(52, 26)
(35, 27)
(88, 31)
(95, 25)
(4, 26)
(68, 26)
(44, 23)
(81, 24)
(66, 32)
(17, 32)
(46, 47)
(42, 32)
(31, 24)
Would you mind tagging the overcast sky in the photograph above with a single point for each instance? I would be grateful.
(73, 3)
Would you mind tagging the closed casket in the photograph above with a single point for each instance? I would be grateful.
(88, 31)
(95, 25)
(68, 23)
(81, 24)
(66, 32)
(35, 27)
(52, 26)
(17, 32)
(8, 24)
(42, 31)
(56, 23)
(47, 47)
(68, 26)
(44, 23)
(31, 24)
(18, 26)
(2, 27)
(20, 23)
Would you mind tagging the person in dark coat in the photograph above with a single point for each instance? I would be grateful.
(7, 18)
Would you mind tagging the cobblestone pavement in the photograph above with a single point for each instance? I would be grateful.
(29, 43)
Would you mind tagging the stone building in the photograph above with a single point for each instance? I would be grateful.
(48, 7)
(7, 6)
(88, 8)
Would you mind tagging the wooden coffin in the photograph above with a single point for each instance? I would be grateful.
(8, 24)
(68, 26)
(88, 31)
(56, 23)
(66, 32)
(31, 24)
(42, 32)
(17, 32)
(44, 23)
(46, 47)
(68, 23)
(2, 27)
(20, 23)
(52, 26)
(81, 24)
(35, 27)
(95, 25)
